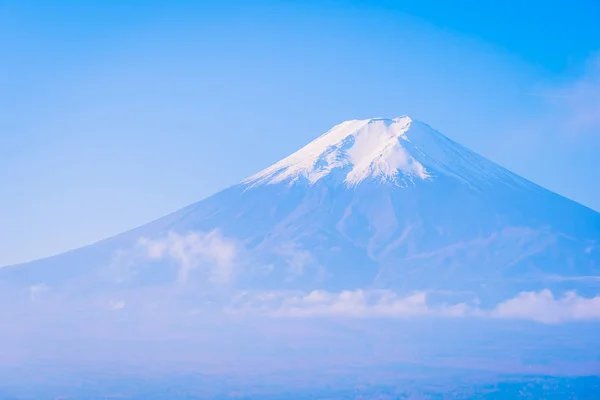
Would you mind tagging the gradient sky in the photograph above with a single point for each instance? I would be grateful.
(114, 113)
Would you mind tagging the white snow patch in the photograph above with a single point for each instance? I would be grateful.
(367, 148)
(397, 151)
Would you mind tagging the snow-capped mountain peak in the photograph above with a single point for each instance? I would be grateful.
(382, 204)
(397, 150)
(371, 148)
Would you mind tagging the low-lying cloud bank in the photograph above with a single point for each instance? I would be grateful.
(544, 307)
(223, 262)
(540, 306)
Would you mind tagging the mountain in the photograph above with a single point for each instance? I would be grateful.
(374, 205)
(381, 243)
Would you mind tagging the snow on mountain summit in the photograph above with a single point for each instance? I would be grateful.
(366, 148)
(399, 151)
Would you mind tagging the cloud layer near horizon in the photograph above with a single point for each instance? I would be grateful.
(218, 255)
(219, 259)
(540, 306)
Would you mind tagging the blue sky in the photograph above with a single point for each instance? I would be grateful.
(115, 113)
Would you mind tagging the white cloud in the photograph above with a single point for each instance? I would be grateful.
(544, 307)
(349, 303)
(535, 306)
(211, 250)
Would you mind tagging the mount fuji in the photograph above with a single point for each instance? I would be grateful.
(380, 250)
(383, 216)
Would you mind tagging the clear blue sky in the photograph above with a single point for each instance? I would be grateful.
(114, 113)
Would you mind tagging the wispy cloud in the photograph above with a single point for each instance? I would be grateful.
(582, 100)
(560, 278)
(210, 250)
(574, 107)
